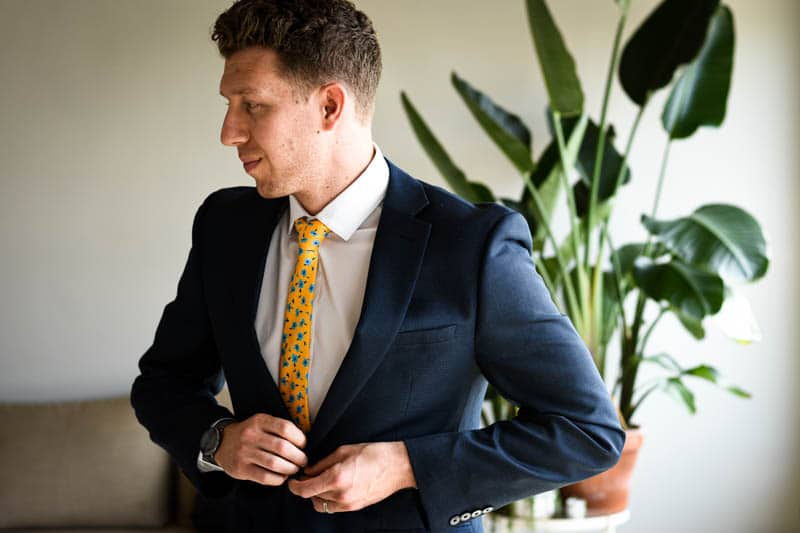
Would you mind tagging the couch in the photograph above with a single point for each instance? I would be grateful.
(89, 466)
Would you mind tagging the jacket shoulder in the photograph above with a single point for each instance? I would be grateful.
(446, 206)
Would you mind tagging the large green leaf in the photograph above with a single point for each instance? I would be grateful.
(455, 177)
(612, 161)
(678, 390)
(558, 67)
(506, 129)
(700, 95)
(692, 291)
(709, 373)
(627, 254)
(693, 325)
(722, 238)
(703, 371)
(670, 36)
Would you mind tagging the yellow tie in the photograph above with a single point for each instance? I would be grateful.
(296, 340)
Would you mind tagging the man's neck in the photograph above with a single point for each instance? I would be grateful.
(342, 175)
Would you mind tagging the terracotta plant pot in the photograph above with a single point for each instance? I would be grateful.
(607, 492)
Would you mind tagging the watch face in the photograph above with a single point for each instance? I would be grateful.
(209, 440)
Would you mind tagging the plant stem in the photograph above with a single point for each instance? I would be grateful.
(630, 344)
(573, 222)
(617, 270)
(640, 350)
(570, 290)
(598, 158)
(545, 275)
(641, 398)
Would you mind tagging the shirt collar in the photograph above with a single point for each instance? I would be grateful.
(345, 213)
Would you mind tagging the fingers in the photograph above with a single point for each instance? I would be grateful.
(260, 475)
(274, 463)
(254, 437)
(282, 428)
(262, 448)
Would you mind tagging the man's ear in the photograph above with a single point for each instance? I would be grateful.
(333, 98)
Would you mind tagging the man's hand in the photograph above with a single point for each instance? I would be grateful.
(355, 476)
(262, 448)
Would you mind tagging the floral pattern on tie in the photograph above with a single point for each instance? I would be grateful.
(295, 359)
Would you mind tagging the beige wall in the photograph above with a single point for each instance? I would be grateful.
(109, 128)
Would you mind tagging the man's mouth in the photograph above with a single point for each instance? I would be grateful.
(249, 165)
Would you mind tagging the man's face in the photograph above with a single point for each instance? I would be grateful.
(267, 121)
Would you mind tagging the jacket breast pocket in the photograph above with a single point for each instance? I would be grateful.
(425, 336)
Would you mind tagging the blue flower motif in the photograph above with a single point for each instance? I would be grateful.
(299, 408)
(305, 362)
(311, 288)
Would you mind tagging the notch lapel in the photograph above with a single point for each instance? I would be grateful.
(395, 262)
(250, 238)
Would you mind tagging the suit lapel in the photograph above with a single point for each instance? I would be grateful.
(397, 254)
(396, 258)
(250, 239)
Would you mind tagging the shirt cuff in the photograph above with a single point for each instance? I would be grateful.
(205, 466)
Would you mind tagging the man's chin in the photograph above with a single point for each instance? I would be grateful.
(267, 192)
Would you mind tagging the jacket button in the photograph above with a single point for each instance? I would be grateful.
(488, 510)
(466, 516)
(455, 520)
(476, 514)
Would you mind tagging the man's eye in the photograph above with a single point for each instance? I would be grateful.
(250, 106)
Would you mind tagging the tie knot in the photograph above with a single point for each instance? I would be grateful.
(310, 233)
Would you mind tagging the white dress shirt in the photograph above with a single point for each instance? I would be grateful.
(341, 279)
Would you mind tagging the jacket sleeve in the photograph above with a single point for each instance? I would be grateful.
(566, 428)
(181, 373)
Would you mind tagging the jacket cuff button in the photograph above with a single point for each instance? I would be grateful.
(455, 520)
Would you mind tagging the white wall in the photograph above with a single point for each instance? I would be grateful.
(109, 128)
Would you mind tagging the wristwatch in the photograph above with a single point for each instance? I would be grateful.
(211, 439)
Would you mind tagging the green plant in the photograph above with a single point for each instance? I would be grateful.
(690, 265)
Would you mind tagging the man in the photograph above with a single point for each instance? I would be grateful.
(356, 314)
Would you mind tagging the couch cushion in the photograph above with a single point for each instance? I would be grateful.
(80, 464)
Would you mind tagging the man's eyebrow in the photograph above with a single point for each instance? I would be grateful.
(244, 91)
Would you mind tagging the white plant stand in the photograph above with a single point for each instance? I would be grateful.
(604, 523)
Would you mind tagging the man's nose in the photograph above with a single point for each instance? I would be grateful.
(234, 130)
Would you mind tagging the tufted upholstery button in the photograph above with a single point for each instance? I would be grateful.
(455, 520)
(476, 513)
(488, 510)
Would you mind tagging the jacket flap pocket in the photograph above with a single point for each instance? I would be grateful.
(425, 336)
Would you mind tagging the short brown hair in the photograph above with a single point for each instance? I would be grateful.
(317, 41)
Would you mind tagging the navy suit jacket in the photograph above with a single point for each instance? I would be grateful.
(452, 300)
